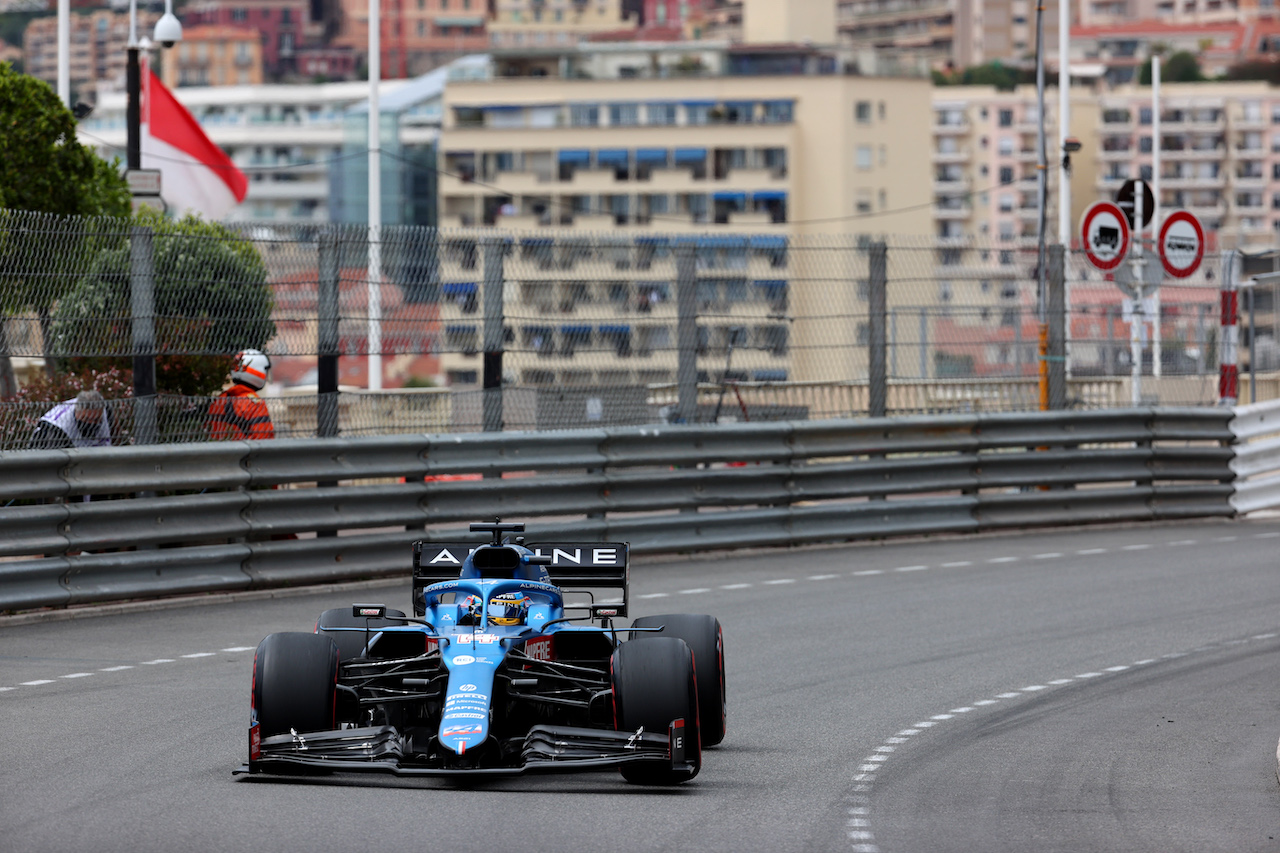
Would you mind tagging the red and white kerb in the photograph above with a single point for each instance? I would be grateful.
(1228, 370)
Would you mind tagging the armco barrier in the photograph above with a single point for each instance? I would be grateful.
(173, 519)
(1257, 458)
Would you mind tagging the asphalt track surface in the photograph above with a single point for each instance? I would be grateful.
(1092, 689)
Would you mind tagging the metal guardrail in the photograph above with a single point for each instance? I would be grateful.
(174, 519)
(1257, 456)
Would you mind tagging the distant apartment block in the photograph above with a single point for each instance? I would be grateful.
(553, 23)
(214, 56)
(98, 56)
(281, 26)
(1123, 49)
(416, 35)
(1105, 12)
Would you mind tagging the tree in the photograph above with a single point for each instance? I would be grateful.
(1182, 67)
(44, 168)
(1003, 77)
(1255, 69)
(211, 301)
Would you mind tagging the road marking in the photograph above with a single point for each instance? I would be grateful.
(1265, 535)
(780, 580)
(1183, 542)
(958, 564)
(7, 689)
(1032, 688)
(655, 595)
(77, 675)
(1117, 668)
(1008, 695)
(1145, 662)
(963, 710)
(866, 572)
(1058, 681)
(1142, 547)
(37, 682)
(925, 724)
(911, 568)
(908, 732)
(982, 702)
(696, 591)
(1265, 637)
(199, 655)
(116, 668)
(239, 649)
(156, 661)
(1089, 675)
(884, 749)
(1049, 556)
(822, 577)
(735, 586)
(1225, 539)
(1003, 560)
(1089, 552)
(942, 716)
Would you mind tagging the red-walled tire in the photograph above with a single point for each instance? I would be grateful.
(654, 684)
(295, 680)
(705, 639)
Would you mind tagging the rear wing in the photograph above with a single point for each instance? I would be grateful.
(573, 566)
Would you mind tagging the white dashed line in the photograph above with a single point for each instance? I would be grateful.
(199, 655)
(1117, 668)
(1058, 681)
(963, 710)
(911, 568)
(1141, 547)
(866, 572)
(655, 595)
(1089, 552)
(1271, 535)
(77, 675)
(822, 577)
(777, 581)
(1003, 560)
(1089, 675)
(925, 724)
(38, 682)
(116, 668)
(1049, 556)
(239, 649)
(736, 586)
(7, 689)
(1008, 695)
(958, 564)
(697, 591)
(1225, 539)
(1145, 662)
(1183, 542)
(1032, 688)
(156, 661)
(1265, 637)
(942, 716)
(984, 702)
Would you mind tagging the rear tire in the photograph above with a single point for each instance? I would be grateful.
(351, 643)
(653, 684)
(705, 639)
(295, 680)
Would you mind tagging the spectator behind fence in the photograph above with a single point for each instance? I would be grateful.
(239, 413)
(82, 422)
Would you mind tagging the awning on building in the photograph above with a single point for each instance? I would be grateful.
(576, 156)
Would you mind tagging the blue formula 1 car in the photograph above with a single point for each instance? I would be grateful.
(509, 665)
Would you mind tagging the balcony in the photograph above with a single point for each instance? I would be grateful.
(1249, 182)
(952, 213)
(1122, 155)
(950, 185)
(951, 128)
(961, 156)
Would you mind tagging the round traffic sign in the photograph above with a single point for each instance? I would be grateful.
(1181, 244)
(1126, 197)
(1105, 231)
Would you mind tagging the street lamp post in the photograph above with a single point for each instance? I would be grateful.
(168, 31)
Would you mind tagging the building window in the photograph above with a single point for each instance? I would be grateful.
(1006, 145)
(863, 157)
(662, 114)
(778, 112)
(1006, 174)
(584, 115)
(1006, 118)
(624, 115)
(862, 112)
(239, 15)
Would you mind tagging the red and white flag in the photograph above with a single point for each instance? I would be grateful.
(196, 175)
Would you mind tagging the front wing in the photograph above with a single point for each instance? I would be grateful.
(547, 749)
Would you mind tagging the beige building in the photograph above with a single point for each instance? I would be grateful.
(214, 56)
(98, 49)
(553, 23)
(607, 177)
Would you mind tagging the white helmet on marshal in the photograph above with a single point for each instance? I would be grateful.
(251, 368)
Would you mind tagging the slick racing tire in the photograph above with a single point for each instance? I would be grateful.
(705, 639)
(653, 684)
(351, 643)
(295, 679)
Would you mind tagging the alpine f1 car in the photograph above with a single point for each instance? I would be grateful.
(509, 665)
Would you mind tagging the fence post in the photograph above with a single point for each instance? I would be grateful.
(494, 248)
(686, 334)
(877, 339)
(143, 310)
(1229, 339)
(1056, 311)
(327, 337)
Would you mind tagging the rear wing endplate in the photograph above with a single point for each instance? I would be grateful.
(573, 566)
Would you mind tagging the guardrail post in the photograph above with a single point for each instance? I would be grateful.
(494, 248)
(143, 309)
(327, 337)
(877, 378)
(686, 334)
(1056, 314)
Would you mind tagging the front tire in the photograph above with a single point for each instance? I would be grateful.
(706, 640)
(295, 680)
(653, 684)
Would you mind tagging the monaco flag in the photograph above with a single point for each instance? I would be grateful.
(197, 176)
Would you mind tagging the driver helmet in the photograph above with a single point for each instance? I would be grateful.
(251, 368)
(508, 608)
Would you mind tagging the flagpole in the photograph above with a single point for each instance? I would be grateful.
(64, 51)
(375, 200)
(133, 83)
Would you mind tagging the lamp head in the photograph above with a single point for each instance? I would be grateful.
(168, 30)
(1071, 145)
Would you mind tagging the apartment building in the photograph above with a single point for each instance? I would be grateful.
(1219, 154)
(214, 56)
(281, 26)
(1107, 12)
(945, 33)
(415, 35)
(98, 56)
(606, 176)
(554, 23)
(1122, 49)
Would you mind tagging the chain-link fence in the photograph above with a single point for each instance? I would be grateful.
(587, 329)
